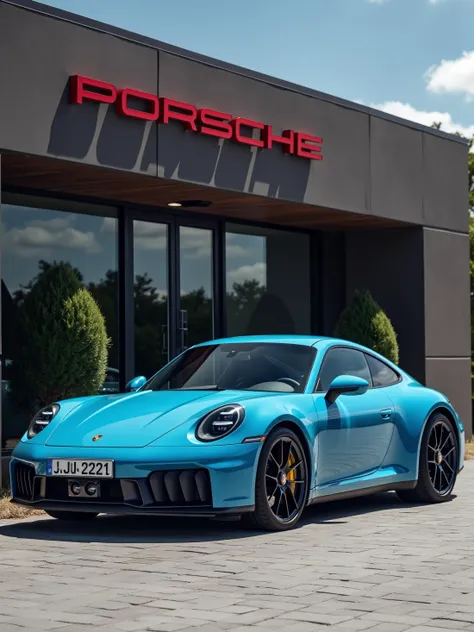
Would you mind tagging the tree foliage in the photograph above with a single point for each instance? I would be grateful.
(63, 348)
(365, 323)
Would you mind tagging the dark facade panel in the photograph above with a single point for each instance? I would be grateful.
(396, 160)
(445, 184)
(447, 302)
(389, 263)
(452, 376)
(339, 181)
(37, 56)
(331, 264)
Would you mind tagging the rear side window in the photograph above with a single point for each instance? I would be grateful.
(382, 374)
(343, 361)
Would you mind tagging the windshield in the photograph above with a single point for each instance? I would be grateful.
(257, 366)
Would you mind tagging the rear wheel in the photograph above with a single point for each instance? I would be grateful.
(281, 489)
(438, 463)
(73, 516)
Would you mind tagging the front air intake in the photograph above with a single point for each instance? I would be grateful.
(24, 480)
(181, 487)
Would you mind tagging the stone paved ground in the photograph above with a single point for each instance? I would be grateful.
(373, 564)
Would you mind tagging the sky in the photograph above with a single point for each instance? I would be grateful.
(412, 58)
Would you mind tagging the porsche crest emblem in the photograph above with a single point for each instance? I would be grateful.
(97, 437)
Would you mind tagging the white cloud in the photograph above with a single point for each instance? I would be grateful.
(407, 111)
(255, 272)
(455, 76)
(41, 238)
(386, 1)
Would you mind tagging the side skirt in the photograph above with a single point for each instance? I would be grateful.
(367, 491)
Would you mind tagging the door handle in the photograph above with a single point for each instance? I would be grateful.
(386, 413)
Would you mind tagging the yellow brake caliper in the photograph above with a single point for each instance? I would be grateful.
(291, 476)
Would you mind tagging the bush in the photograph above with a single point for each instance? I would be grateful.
(365, 323)
(63, 351)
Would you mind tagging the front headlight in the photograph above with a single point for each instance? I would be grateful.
(42, 419)
(220, 422)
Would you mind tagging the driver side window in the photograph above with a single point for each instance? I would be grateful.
(342, 361)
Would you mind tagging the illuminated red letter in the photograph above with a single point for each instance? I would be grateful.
(80, 90)
(215, 123)
(238, 123)
(287, 139)
(153, 105)
(308, 146)
(185, 113)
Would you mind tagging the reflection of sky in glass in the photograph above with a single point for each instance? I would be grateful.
(87, 242)
(150, 253)
(196, 259)
(245, 259)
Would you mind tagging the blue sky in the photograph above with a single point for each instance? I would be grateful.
(414, 58)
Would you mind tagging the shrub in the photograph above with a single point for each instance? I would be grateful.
(63, 351)
(365, 323)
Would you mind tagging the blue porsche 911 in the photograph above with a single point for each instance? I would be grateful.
(257, 427)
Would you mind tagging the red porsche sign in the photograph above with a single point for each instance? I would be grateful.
(201, 121)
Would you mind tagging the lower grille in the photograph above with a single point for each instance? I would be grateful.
(181, 487)
(24, 480)
(169, 488)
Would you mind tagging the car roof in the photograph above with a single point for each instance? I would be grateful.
(307, 341)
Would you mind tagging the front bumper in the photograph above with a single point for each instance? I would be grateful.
(199, 480)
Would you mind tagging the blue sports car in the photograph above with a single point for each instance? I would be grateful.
(257, 427)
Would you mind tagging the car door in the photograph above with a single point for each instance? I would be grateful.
(355, 430)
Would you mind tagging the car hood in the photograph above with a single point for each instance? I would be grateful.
(137, 419)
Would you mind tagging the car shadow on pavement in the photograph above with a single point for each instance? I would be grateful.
(153, 529)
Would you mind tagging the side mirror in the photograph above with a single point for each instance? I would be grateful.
(135, 384)
(346, 385)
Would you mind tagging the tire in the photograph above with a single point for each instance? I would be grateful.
(438, 464)
(73, 516)
(279, 508)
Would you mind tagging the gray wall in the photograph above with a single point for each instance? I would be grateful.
(447, 317)
(389, 263)
(420, 277)
(371, 165)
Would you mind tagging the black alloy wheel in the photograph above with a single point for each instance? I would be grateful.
(282, 483)
(439, 456)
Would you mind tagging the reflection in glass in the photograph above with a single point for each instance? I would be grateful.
(282, 368)
(196, 299)
(267, 281)
(36, 242)
(150, 265)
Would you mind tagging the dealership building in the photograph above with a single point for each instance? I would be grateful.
(199, 199)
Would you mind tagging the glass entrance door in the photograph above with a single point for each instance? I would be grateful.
(172, 291)
(196, 300)
(151, 296)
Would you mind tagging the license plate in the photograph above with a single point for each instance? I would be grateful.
(92, 468)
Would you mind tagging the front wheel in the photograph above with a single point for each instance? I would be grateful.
(438, 463)
(72, 516)
(282, 484)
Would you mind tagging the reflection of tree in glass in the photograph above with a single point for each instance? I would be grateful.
(61, 349)
(242, 302)
(151, 314)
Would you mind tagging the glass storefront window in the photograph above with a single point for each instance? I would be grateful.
(267, 281)
(38, 236)
(150, 273)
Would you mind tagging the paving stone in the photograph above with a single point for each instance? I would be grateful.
(369, 564)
